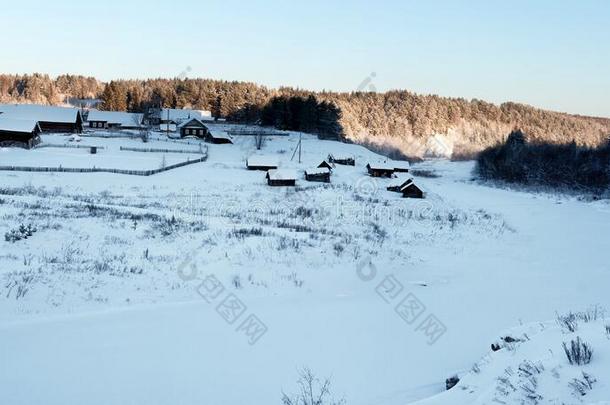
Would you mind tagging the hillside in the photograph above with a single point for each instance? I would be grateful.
(108, 288)
(398, 122)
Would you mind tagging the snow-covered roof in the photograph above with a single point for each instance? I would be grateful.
(40, 113)
(179, 115)
(264, 161)
(16, 125)
(340, 157)
(317, 170)
(413, 184)
(116, 117)
(220, 135)
(399, 181)
(191, 121)
(401, 164)
(381, 166)
(281, 174)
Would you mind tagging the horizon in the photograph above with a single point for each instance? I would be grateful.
(550, 55)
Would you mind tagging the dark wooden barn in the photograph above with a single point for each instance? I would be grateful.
(114, 120)
(380, 169)
(277, 177)
(261, 163)
(193, 127)
(321, 174)
(21, 133)
(412, 191)
(342, 160)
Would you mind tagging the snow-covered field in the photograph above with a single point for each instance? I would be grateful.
(202, 285)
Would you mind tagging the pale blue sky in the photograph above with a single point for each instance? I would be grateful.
(552, 54)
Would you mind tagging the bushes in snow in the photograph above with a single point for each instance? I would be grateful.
(569, 322)
(578, 352)
(583, 385)
(23, 232)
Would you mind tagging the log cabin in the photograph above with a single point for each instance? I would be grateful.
(402, 166)
(281, 178)
(193, 127)
(380, 169)
(21, 133)
(114, 120)
(342, 160)
(412, 191)
(399, 183)
(321, 174)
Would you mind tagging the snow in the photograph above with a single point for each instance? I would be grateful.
(17, 125)
(97, 295)
(381, 166)
(40, 113)
(401, 164)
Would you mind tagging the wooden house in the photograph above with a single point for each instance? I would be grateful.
(261, 163)
(402, 166)
(168, 127)
(114, 120)
(399, 183)
(321, 174)
(342, 160)
(158, 116)
(22, 133)
(412, 191)
(218, 137)
(380, 169)
(49, 118)
(281, 177)
(193, 127)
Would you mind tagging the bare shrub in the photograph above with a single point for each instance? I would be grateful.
(579, 352)
(311, 391)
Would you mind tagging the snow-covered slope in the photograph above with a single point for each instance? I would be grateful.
(104, 302)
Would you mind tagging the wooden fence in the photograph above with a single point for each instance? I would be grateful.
(102, 170)
(197, 151)
(79, 146)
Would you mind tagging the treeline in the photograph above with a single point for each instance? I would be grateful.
(561, 166)
(398, 121)
(42, 89)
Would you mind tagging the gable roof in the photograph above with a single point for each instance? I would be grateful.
(281, 174)
(411, 184)
(401, 164)
(381, 166)
(220, 135)
(40, 113)
(116, 117)
(193, 122)
(15, 125)
(400, 181)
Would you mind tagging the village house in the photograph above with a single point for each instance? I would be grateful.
(402, 166)
(22, 133)
(114, 120)
(380, 169)
(342, 160)
(49, 118)
(412, 191)
(281, 177)
(321, 174)
(258, 162)
(193, 127)
(399, 183)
